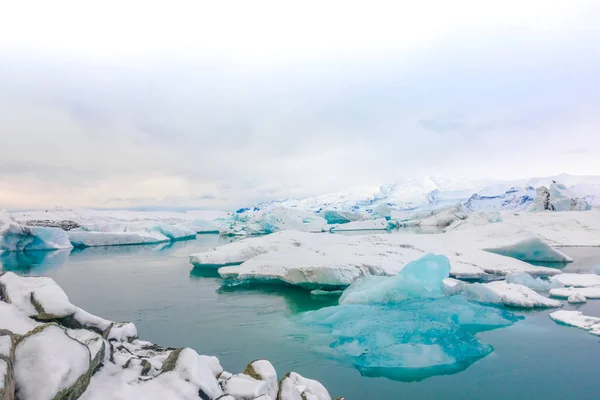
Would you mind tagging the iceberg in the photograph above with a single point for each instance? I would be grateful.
(404, 327)
(17, 237)
(380, 224)
(577, 280)
(326, 261)
(260, 222)
(578, 320)
(536, 284)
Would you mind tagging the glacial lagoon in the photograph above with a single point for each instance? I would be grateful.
(174, 304)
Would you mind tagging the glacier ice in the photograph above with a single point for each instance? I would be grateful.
(17, 237)
(260, 222)
(537, 284)
(404, 327)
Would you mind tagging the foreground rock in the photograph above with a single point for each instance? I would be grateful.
(318, 261)
(53, 350)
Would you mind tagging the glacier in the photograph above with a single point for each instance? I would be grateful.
(404, 327)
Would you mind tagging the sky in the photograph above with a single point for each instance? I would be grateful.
(223, 104)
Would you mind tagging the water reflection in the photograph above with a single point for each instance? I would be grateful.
(33, 262)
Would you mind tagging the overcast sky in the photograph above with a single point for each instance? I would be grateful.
(224, 103)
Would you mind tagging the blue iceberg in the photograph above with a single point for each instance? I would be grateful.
(404, 327)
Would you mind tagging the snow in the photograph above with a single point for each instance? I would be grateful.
(587, 292)
(367, 225)
(309, 388)
(578, 320)
(318, 261)
(537, 284)
(515, 295)
(264, 370)
(47, 362)
(95, 239)
(577, 280)
(16, 237)
(253, 222)
(245, 387)
(5, 345)
(577, 298)
(91, 340)
(567, 228)
(194, 369)
(508, 240)
(15, 320)
(44, 291)
(404, 327)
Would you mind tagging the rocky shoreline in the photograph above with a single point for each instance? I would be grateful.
(52, 350)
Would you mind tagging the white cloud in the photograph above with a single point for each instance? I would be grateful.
(224, 103)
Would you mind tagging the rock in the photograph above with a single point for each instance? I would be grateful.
(294, 386)
(50, 365)
(263, 370)
(7, 384)
(576, 298)
(244, 387)
(65, 225)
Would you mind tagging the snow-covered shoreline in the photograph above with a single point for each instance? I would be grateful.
(51, 349)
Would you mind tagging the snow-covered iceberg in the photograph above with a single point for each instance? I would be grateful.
(405, 327)
(558, 198)
(578, 320)
(260, 222)
(17, 237)
(317, 261)
(52, 349)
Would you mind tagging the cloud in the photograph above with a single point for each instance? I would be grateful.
(221, 109)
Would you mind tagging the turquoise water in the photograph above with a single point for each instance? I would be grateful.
(173, 305)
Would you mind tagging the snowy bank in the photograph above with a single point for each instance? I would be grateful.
(53, 350)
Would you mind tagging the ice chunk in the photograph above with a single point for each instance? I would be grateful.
(577, 280)
(321, 260)
(17, 237)
(339, 217)
(405, 327)
(80, 238)
(576, 298)
(245, 387)
(421, 279)
(494, 217)
(515, 295)
(507, 240)
(382, 210)
(587, 292)
(561, 199)
(597, 269)
(578, 320)
(250, 222)
(537, 284)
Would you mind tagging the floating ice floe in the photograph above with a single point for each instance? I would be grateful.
(577, 280)
(537, 284)
(520, 296)
(51, 349)
(587, 292)
(507, 240)
(17, 237)
(578, 320)
(93, 235)
(405, 327)
(319, 261)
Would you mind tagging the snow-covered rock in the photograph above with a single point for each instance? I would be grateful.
(323, 260)
(81, 356)
(578, 320)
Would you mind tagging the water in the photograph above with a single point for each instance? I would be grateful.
(173, 305)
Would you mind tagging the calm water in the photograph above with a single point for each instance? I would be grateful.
(173, 305)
